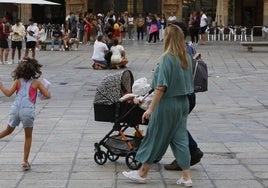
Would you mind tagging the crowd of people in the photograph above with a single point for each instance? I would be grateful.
(172, 82)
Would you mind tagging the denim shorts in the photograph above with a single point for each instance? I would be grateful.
(24, 115)
(104, 62)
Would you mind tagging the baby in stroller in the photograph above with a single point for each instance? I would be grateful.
(126, 114)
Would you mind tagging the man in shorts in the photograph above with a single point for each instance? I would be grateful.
(203, 27)
(32, 34)
(17, 33)
(4, 49)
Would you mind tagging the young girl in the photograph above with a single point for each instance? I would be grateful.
(26, 86)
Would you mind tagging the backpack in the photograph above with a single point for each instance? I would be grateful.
(200, 75)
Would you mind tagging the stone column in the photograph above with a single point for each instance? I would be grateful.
(265, 12)
(25, 12)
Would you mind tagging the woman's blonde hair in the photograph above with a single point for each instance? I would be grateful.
(174, 43)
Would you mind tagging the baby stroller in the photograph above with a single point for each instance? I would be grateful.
(123, 115)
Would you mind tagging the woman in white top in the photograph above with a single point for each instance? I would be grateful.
(118, 58)
(41, 36)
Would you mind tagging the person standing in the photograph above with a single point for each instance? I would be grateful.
(140, 26)
(4, 48)
(168, 111)
(32, 34)
(130, 26)
(17, 34)
(203, 26)
(26, 85)
(195, 152)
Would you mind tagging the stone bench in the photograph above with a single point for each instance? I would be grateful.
(250, 45)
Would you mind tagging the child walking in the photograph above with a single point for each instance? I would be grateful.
(26, 85)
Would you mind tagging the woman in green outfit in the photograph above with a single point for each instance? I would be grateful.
(168, 110)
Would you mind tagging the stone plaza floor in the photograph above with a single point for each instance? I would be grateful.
(229, 122)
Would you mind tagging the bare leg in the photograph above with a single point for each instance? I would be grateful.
(33, 53)
(13, 53)
(19, 54)
(28, 142)
(7, 131)
(26, 52)
(144, 170)
(186, 174)
(6, 53)
(1, 54)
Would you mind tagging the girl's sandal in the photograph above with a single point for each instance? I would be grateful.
(25, 166)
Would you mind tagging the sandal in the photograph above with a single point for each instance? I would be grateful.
(25, 166)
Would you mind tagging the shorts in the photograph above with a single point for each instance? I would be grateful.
(3, 44)
(16, 44)
(104, 62)
(24, 115)
(30, 44)
(203, 29)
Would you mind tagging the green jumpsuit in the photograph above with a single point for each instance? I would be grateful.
(167, 125)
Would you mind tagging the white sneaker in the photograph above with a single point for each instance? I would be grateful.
(134, 176)
(76, 49)
(52, 49)
(9, 62)
(187, 183)
(60, 49)
(63, 49)
(36, 49)
(2, 62)
(147, 43)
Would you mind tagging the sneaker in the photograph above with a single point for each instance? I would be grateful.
(52, 49)
(60, 49)
(2, 62)
(63, 49)
(76, 49)
(185, 183)
(147, 43)
(8, 62)
(36, 49)
(134, 176)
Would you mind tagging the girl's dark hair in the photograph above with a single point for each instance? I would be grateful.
(27, 69)
(115, 42)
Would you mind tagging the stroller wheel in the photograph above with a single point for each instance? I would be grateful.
(111, 156)
(131, 162)
(100, 157)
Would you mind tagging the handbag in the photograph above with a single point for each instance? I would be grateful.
(200, 75)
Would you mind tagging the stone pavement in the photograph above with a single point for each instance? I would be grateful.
(229, 123)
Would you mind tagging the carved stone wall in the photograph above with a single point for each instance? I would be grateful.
(172, 6)
(76, 6)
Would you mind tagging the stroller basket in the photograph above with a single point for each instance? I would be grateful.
(117, 146)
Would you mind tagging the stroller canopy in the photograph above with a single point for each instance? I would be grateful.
(113, 87)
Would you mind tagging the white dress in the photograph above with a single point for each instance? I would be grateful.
(116, 54)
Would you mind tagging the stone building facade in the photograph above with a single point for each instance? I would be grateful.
(226, 12)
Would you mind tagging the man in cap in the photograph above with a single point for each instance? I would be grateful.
(17, 33)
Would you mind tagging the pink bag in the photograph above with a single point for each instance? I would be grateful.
(153, 28)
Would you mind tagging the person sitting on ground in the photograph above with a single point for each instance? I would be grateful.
(73, 39)
(56, 36)
(118, 58)
(99, 51)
